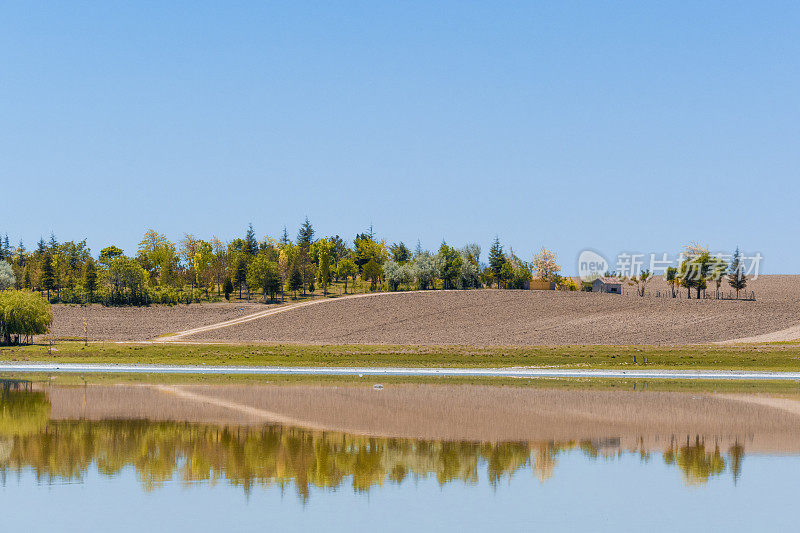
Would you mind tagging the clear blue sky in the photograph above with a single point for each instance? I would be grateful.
(620, 126)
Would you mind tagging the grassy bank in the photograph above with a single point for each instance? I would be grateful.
(777, 357)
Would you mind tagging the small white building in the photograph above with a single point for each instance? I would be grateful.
(609, 285)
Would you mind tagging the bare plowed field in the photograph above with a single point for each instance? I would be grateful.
(141, 323)
(495, 317)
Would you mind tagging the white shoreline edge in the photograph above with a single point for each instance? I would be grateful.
(78, 368)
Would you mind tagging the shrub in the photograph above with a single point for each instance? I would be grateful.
(397, 274)
(7, 278)
(23, 314)
(424, 269)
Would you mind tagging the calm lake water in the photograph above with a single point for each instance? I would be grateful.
(73, 474)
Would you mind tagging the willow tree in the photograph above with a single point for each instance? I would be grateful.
(22, 315)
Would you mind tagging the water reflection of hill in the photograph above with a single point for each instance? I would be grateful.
(265, 455)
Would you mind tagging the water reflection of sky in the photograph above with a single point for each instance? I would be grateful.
(134, 475)
(595, 495)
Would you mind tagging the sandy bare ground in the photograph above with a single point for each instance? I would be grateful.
(474, 413)
(492, 317)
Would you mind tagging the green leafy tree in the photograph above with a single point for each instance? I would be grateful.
(372, 272)
(347, 269)
(736, 276)
(203, 263)
(128, 281)
(640, 282)
(671, 275)
(108, 254)
(487, 277)
(506, 275)
(521, 273)
(449, 262)
(323, 248)
(264, 274)
(694, 269)
(366, 249)
(90, 278)
(157, 255)
(339, 251)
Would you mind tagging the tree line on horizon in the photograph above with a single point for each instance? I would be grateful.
(698, 270)
(193, 269)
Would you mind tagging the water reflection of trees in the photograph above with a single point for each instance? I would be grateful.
(276, 455)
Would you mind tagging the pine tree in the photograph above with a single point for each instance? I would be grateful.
(250, 242)
(285, 237)
(305, 236)
(53, 242)
(5, 249)
(497, 259)
(736, 277)
(295, 281)
(47, 280)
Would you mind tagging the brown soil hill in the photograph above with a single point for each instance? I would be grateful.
(500, 317)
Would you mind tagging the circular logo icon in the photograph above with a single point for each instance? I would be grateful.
(591, 265)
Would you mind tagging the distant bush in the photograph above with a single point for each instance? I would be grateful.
(22, 315)
(568, 284)
(397, 274)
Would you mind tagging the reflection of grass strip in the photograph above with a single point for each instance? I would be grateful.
(782, 388)
(775, 357)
